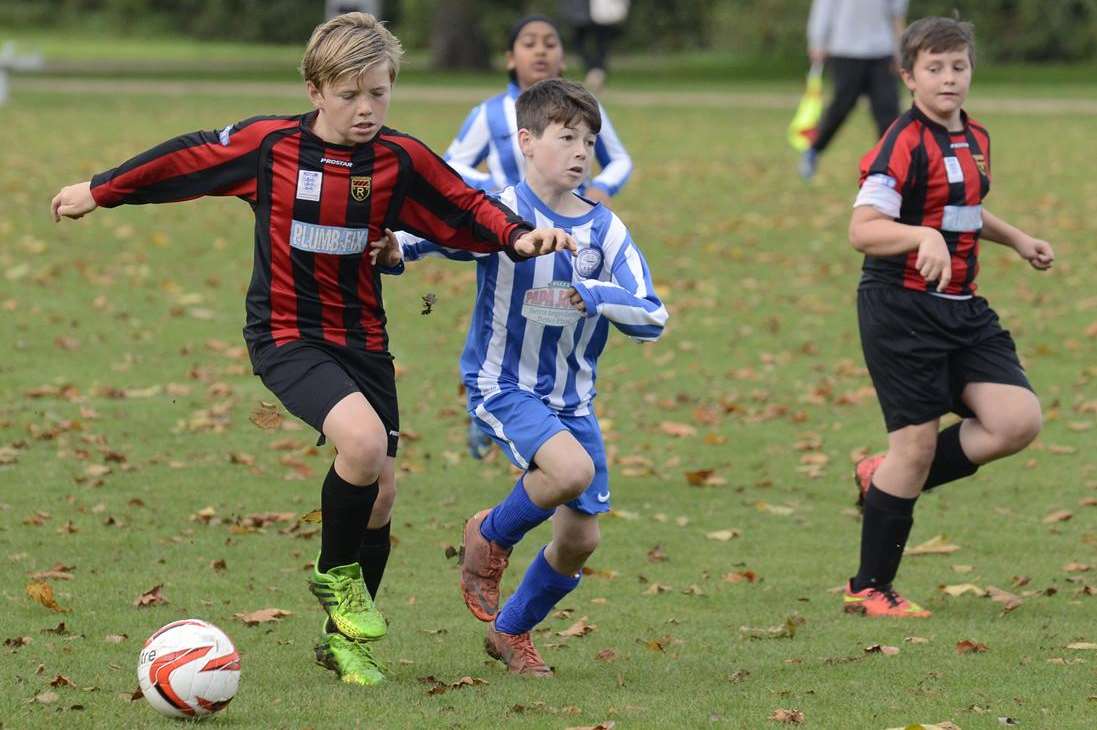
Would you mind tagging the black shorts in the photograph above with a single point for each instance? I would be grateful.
(311, 377)
(921, 350)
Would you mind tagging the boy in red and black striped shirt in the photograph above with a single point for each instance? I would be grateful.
(322, 185)
(931, 345)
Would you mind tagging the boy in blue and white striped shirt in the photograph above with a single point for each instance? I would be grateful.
(529, 368)
(490, 132)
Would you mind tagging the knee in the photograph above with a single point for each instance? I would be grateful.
(364, 456)
(918, 449)
(1020, 431)
(572, 479)
(580, 547)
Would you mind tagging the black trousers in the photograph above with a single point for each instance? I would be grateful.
(593, 41)
(852, 78)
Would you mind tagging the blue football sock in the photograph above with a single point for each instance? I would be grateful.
(541, 589)
(512, 518)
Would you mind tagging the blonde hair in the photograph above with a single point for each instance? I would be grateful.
(349, 43)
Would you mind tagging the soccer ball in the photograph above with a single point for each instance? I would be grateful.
(188, 668)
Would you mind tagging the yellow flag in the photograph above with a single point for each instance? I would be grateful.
(801, 131)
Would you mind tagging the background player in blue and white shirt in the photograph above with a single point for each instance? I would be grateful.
(529, 369)
(490, 132)
(490, 135)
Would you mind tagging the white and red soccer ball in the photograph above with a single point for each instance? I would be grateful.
(188, 668)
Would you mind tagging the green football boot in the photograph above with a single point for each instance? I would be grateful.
(352, 660)
(343, 596)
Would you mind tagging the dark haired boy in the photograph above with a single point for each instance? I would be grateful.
(932, 345)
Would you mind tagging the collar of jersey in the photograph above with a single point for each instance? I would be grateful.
(513, 90)
(921, 117)
(526, 193)
(306, 130)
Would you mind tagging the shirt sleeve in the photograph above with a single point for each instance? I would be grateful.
(470, 147)
(884, 173)
(440, 207)
(613, 157)
(819, 22)
(628, 299)
(414, 248)
(202, 163)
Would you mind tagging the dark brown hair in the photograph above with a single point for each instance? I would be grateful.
(557, 100)
(935, 35)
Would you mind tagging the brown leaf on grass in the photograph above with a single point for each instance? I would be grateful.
(151, 597)
(1084, 502)
(204, 515)
(47, 697)
(262, 616)
(787, 630)
(1008, 600)
(967, 646)
(723, 535)
(657, 554)
(241, 457)
(881, 649)
(704, 478)
(606, 655)
(936, 545)
(62, 681)
(579, 628)
(60, 629)
(960, 589)
(1060, 450)
(266, 416)
(916, 640)
(1082, 646)
(17, 642)
(57, 572)
(314, 517)
(740, 576)
(789, 717)
(656, 588)
(1074, 567)
(1061, 515)
(219, 565)
(115, 638)
(42, 592)
(604, 725)
(437, 686)
(677, 430)
(943, 725)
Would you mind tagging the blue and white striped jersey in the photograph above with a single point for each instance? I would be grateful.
(525, 333)
(491, 132)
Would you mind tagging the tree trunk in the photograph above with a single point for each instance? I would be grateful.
(456, 40)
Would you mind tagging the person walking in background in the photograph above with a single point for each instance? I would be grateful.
(595, 22)
(858, 41)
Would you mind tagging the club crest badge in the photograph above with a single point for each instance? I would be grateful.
(588, 261)
(981, 163)
(360, 187)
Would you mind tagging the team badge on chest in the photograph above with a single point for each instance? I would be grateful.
(588, 261)
(360, 187)
(981, 163)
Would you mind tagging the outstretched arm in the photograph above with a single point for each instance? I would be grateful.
(469, 148)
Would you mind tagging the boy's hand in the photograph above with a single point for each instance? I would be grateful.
(1035, 251)
(386, 251)
(577, 302)
(934, 262)
(543, 240)
(74, 201)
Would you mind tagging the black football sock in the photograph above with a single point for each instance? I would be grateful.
(344, 507)
(373, 555)
(884, 532)
(949, 461)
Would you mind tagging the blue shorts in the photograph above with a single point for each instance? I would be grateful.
(521, 423)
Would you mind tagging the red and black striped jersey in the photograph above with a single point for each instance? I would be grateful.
(940, 178)
(317, 205)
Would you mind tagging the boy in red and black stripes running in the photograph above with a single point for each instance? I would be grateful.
(322, 185)
(931, 345)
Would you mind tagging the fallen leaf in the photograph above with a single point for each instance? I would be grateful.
(45, 698)
(57, 572)
(790, 717)
(936, 545)
(606, 655)
(705, 478)
(218, 564)
(17, 642)
(62, 681)
(1008, 600)
(262, 616)
(314, 517)
(1082, 646)
(678, 430)
(115, 638)
(882, 649)
(266, 416)
(151, 597)
(579, 628)
(604, 725)
(723, 535)
(961, 588)
(740, 576)
(42, 592)
(1058, 516)
(657, 588)
(968, 646)
(1073, 567)
(787, 630)
(916, 640)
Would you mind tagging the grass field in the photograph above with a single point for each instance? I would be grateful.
(124, 414)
